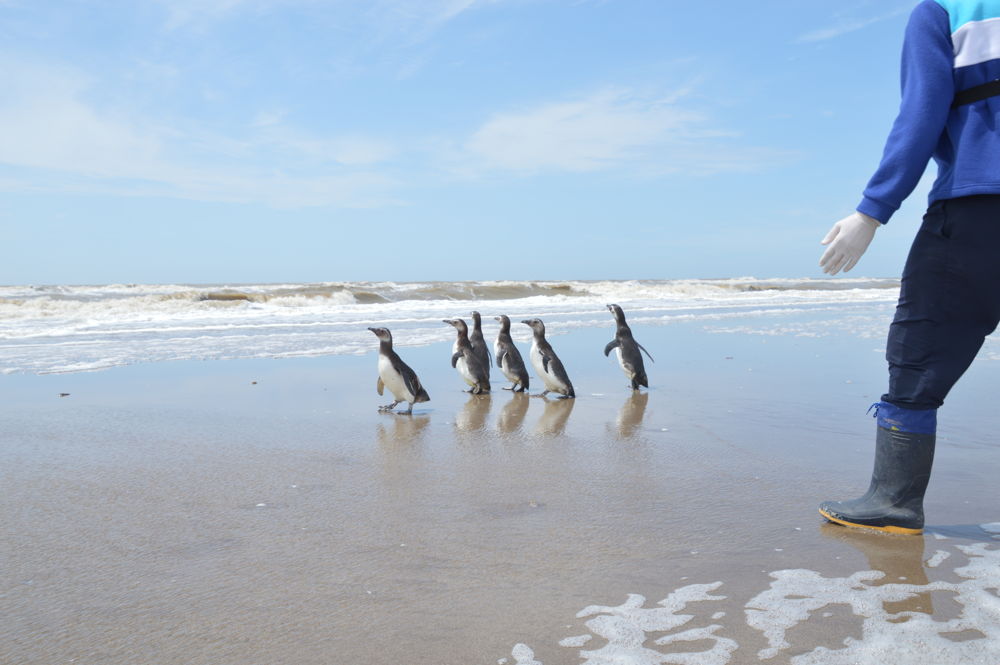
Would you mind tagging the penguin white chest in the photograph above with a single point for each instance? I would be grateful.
(505, 368)
(536, 360)
(465, 371)
(627, 369)
(393, 380)
(547, 376)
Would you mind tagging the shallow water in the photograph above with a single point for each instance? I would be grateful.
(264, 512)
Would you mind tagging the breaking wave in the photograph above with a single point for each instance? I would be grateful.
(78, 328)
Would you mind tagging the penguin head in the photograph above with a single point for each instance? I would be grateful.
(536, 325)
(617, 311)
(476, 318)
(504, 322)
(383, 334)
(459, 324)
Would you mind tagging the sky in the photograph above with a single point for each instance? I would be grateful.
(279, 141)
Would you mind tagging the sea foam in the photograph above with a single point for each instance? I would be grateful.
(795, 596)
(78, 328)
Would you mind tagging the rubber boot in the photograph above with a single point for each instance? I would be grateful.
(894, 502)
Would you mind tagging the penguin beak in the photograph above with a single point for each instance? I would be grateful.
(526, 322)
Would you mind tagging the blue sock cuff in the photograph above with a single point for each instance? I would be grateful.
(898, 419)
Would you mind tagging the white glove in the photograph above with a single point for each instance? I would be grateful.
(847, 240)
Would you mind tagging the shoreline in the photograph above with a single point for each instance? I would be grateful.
(182, 509)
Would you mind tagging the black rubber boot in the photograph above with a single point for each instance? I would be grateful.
(895, 500)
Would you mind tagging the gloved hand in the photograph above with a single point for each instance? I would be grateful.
(847, 240)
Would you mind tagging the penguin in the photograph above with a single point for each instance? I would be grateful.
(465, 361)
(509, 358)
(396, 375)
(628, 349)
(479, 345)
(547, 365)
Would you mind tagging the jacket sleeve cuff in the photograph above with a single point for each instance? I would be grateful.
(876, 209)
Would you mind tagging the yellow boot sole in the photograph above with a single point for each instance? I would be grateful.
(883, 529)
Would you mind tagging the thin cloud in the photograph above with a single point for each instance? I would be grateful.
(597, 132)
(55, 140)
(185, 13)
(845, 26)
(394, 16)
(608, 130)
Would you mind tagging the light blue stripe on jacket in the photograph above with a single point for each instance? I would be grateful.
(961, 12)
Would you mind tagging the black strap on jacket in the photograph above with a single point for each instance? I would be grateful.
(976, 93)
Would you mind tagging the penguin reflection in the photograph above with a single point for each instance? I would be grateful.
(631, 414)
(404, 431)
(553, 419)
(472, 417)
(512, 414)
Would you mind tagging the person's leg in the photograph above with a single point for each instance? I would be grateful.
(949, 302)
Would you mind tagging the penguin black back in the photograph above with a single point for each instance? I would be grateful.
(478, 342)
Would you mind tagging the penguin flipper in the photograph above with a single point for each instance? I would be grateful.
(501, 356)
(380, 386)
(613, 344)
(643, 350)
(455, 358)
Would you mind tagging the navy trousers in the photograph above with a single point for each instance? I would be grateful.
(949, 300)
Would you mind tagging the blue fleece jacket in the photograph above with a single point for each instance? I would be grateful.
(949, 46)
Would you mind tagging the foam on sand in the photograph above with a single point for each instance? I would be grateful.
(793, 598)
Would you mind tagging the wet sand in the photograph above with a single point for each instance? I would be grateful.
(245, 512)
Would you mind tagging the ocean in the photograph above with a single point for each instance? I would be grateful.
(54, 329)
(267, 511)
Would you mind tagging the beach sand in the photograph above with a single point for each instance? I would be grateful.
(264, 512)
